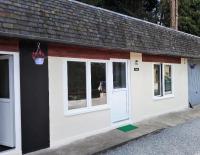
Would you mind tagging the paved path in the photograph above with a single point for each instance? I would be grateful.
(115, 137)
(180, 140)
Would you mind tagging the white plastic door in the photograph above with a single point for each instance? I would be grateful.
(6, 101)
(119, 95)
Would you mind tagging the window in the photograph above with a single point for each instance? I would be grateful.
(76, 84)
(157, 80)
(86, 84)
(98, 82)
(4, 79)
(119, 75)
(162, 79)
(168, 79)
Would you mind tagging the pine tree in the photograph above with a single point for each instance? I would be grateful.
(189, 16)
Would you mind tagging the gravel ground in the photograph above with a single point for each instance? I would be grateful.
(180, 140)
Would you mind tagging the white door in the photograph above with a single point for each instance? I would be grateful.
(6, 101)
(119, 91)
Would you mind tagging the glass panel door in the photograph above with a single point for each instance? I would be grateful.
(119, 96)
(119, 75)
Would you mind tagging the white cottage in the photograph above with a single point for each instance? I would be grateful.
(101, 70)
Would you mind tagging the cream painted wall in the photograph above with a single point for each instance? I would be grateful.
(64, 129)
(142, 102)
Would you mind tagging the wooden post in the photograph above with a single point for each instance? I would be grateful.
(174, 14)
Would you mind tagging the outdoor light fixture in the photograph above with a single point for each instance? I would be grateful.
(38, 56)
(136, 62)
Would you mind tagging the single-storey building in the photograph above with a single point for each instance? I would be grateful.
(101, 70)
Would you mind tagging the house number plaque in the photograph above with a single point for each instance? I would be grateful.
(136, 69)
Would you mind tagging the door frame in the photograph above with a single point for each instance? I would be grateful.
(128, 84)
(11, 93)
(17, 106)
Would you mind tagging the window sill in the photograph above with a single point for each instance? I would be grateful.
(86, 110)
(4, 100)
(163, 97)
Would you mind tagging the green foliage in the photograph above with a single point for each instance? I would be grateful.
(93, 2)
(189, 16)
(156, 11)
(143, 9)
(165, 13)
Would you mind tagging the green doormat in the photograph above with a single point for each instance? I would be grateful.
(127, 128)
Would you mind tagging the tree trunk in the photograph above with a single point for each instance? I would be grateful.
(174, 14)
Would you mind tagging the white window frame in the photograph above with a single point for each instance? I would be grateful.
(154, 79)
(89, 107)
(163, 93)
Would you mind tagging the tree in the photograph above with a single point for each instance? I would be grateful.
(143, 9)
(165, 13)
(189, 15)
(156, 11)
(174, 14)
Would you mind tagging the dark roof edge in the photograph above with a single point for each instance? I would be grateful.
(21, 36)
(50, 40)
(126, 16)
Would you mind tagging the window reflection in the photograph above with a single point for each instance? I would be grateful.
(168, 79)
(4, 79)
(157, 80)
(98, 83)
(119, 75)
(76, 84)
